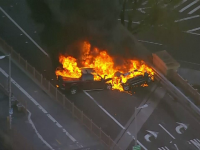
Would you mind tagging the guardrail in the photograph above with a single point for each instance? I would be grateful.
(54, 93)
(172, 89)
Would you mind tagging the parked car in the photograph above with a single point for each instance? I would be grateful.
(85, 82)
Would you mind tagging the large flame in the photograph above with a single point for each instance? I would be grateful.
(102, 64)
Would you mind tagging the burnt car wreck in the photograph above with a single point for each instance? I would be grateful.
(85, 82)
(137, 81)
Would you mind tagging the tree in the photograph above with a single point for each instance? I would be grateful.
(153, 15)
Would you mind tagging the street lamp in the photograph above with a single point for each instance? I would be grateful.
(9, 85)
(136, 108)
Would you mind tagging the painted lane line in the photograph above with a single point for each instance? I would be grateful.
(104, 110)
(166, 131)
(135, 22)
(128, 133)
(44, 111)
(149, 42)
(193, 33)
(189, 5)
(183, 1)
(188, 18)
(176, 147)
(58, 125)
(192, 11)
(39, 136)
(195, 29)
(23, 32)
(140, 143)
(51, 118)
(35, 102)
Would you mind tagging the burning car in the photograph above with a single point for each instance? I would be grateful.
(137, 81)
(85, 82)
(105, 71)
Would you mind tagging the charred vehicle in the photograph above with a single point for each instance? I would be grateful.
(85, 82)
(137, 81)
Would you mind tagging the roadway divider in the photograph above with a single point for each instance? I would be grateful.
(55, 94)
(173, 90)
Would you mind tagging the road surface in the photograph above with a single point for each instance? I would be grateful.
(54, 124)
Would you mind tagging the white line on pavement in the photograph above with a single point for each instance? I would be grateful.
(35, 102)
(166, 131)
(149, 42)
(39, 136)
(195, 29)
(104, 110)
(140, 143)
(188, 18)
(183, 1)
(192, 33)
(128, 133)
(192, 11)
(189, 5)
(24, 32)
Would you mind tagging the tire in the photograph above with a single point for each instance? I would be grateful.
(126, 87)
(73, 90)
(109, 86)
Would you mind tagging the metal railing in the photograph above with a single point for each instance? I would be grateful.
(53, 92)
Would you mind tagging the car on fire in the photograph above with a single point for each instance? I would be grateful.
(85, 82)
(136, 81)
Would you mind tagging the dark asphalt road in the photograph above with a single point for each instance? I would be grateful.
(186, 45)
(52, 133)
(168, 113)
(119, 105)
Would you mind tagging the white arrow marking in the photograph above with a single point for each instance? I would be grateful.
(150, 134)
(181, 125)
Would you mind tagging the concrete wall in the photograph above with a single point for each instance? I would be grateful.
(179, 81)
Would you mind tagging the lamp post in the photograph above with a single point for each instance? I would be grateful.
(9, 86)
(136, 108)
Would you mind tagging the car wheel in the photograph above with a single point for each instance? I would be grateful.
(73, 90)
(108, 86)
(126, 87)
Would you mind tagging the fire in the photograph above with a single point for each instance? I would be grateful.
(70, 68)
(102, 64)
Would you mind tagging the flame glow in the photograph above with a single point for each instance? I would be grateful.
(102, 64)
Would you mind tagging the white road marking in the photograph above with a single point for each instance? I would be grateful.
(39, 136)
(180, 126)
(192, 11)
(166, 131)
(135, 22)
(163, 148)
(58, 125)
(104, 110)
(129, 133)
(188, 18)
(195, 29)
(140, 144)
(51, 118)
(144, 3)
(176, 147)
(189, 5)
(23, 32)
(36, 103)
(196, 143)
(183, 1)
(193, 33)
(149, 42)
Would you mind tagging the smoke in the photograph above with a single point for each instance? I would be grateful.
(67, 23)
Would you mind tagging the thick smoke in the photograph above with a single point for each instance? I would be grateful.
(67, 23)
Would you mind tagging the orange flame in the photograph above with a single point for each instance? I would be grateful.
(102, 64)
